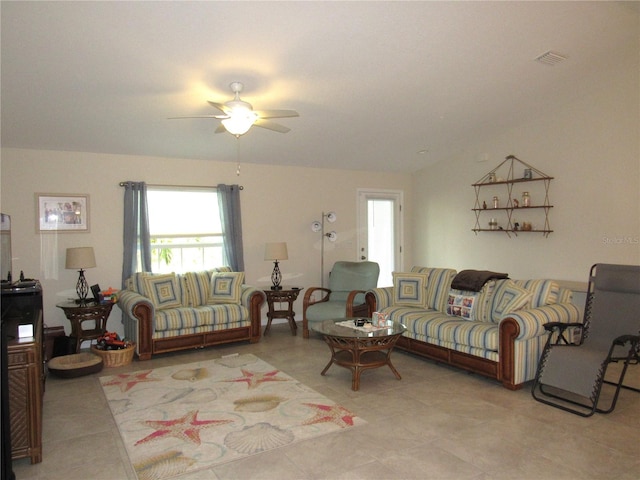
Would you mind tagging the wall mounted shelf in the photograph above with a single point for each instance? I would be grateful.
(508, 216)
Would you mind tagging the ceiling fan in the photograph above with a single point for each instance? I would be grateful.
(239, 116)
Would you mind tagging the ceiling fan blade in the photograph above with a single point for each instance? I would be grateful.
(276, 127)
(219, 117)
(220, 106)
(277, 113)
(220, 129)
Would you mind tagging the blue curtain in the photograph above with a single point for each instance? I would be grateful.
(229, 205)
(136, 239)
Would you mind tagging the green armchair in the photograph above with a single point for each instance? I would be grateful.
(348, 282)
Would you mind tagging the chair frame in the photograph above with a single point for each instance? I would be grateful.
(309, 299)
(558, 338)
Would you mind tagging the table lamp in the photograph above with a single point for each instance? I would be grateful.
(81, 258)
(276, 251)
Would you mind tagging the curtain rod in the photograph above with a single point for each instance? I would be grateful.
(122, 184)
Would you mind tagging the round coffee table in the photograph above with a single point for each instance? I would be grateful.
(359, 349)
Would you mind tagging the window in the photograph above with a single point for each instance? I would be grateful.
(185, 229)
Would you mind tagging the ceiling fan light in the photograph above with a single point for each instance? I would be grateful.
(239, 123)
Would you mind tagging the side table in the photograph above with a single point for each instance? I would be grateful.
(78, 313)
(288, 295)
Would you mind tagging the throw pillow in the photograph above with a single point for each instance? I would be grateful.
(437, 286)
(135, 282)
(544, 292)
(198, 287)
(462, 303)
(219, 269)
(164, 291)
(483, 304)
(508, 297)
(226, 287)
(409, 289)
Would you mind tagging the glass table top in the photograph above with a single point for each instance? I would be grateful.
(331, 327)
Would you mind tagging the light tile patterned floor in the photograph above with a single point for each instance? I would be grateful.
(435, 423)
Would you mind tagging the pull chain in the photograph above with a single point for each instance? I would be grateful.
(238, 155)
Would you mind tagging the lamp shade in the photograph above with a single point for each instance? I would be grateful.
(276, 251)
(80, 257)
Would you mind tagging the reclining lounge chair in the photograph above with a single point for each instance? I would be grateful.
(571, 374)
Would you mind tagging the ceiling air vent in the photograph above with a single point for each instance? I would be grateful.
(550, 58)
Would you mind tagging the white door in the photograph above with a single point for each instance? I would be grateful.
(380, 231)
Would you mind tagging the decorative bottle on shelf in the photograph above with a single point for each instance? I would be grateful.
(495, 202)
(526, 199)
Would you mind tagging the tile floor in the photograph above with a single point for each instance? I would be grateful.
(435, 423)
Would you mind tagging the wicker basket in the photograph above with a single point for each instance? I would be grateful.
(116, 358)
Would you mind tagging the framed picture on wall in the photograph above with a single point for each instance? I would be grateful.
(62, 212)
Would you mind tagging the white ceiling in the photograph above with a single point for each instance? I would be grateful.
(374, 82)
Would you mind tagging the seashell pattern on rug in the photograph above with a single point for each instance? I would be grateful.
(174, 395)
(260, 403)
(201, 396)
(233, 361)
(166, 465)
(191, 374)
(258, 438)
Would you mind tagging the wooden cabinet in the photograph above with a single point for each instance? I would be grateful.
(25, 371)
(500, 204)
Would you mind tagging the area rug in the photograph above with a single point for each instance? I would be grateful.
(185, 418)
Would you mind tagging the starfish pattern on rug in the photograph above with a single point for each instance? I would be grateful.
(126, 381)
(243, 407)
(330, 413)
(254, 379)
(186, 428)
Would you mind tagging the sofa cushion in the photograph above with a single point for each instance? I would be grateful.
(431, 324)
(409, 289)
(199, 317)
(544, 292)
(164, 291)
(508, 297)
(348, 276)
(226, 287)
(438, 286)
(323, 310)
(197, 284)
(483, 309)
(198, 287)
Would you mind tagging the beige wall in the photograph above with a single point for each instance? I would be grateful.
(278, 204)
(590, 146)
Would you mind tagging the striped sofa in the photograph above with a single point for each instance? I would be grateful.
(169, 312)
(497, 332)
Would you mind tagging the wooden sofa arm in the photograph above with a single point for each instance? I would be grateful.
(140, 308)
(256, 300)
(143, 312)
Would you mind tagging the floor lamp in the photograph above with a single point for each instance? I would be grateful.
(318, 226)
